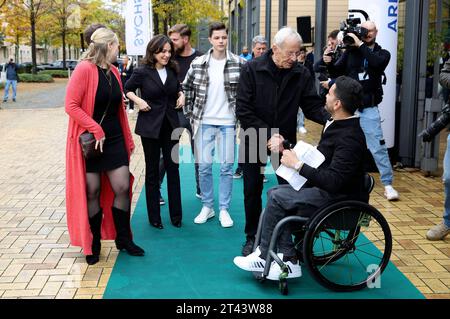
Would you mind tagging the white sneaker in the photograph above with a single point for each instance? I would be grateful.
(294, 270)
(302, 130)
(205, 214)
(225, 219)
(252, 262)
(390, 193)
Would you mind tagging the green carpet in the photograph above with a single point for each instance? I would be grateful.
(196, 261)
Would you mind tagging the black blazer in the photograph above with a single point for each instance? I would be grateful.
(344, 146)
(162, 99)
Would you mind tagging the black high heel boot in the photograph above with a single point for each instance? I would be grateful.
(123, 237)
(96, 225)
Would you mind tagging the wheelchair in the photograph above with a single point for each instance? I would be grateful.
(345, 246)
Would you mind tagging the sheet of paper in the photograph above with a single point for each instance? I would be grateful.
(308, 154)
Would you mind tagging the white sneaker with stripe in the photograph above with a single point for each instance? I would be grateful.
(252, 262)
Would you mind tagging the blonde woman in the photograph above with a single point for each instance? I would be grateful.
(98, 190)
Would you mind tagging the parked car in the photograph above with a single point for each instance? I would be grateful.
(58, 65)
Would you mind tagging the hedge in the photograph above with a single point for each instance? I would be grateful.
(27, 77)
(56, 73)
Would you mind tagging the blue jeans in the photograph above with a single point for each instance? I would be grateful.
(300, 119)
(371, 125)
(446, 179)
(205, 141)
(9, 83)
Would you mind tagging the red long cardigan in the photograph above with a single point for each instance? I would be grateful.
(80, 99)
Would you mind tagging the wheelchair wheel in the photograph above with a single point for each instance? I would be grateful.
(347, 246)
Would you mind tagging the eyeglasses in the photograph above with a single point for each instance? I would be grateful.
(292, 54)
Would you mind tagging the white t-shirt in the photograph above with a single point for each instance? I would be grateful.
(217, 110)
(162, 74)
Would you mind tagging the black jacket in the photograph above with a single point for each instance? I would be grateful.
(161, 98)
(352, 63)
(343, 144)
(262, 103)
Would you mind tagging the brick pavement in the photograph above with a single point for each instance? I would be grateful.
(36, 260)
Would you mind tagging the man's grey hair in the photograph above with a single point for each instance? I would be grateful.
(284, 33)
(258, 39)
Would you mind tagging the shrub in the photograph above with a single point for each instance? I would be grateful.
(56, 73)
(27, 77)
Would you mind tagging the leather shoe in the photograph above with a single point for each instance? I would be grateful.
(247, 248)
(157, 225)
(177, 224)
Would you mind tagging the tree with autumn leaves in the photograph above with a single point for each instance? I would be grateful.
(191, 12)
(60, 22)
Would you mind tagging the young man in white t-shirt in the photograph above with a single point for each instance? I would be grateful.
(210, 87)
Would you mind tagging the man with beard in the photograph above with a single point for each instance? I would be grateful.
(365, 61)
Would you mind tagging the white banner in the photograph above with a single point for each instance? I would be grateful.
(138, 26)
(385, 15)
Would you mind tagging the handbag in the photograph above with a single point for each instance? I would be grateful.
(87, 139)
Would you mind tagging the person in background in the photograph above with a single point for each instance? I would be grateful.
(11, 80)
(440, 231)
(161, 97)
(126, 70)
(99, 190)
(332, 53)
(308, 65)
(259, 46)
(246, 54)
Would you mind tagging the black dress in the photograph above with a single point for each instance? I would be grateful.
(114, 151)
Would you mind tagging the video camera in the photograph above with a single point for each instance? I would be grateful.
(352, 25)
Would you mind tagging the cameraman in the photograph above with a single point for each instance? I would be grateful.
(365, 61)
(441, 230)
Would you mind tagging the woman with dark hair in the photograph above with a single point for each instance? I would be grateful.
(161, 97)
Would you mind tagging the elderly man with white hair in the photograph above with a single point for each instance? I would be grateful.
(270, 91)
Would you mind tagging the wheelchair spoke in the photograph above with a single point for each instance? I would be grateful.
(365, 252)
(331, 258)
(350, 272)
(371, 242)
(360, 262)
(326, 238)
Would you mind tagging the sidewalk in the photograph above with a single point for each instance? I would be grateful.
(36, 260)
(36, 95)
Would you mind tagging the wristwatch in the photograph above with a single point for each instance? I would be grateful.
(298, 166)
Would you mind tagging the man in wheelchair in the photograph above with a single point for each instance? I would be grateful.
(340, 177)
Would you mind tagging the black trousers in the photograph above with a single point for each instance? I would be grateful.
(253, 173)
(152, 148)
(184, 122)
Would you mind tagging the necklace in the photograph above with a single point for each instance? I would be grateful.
(107, 78)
